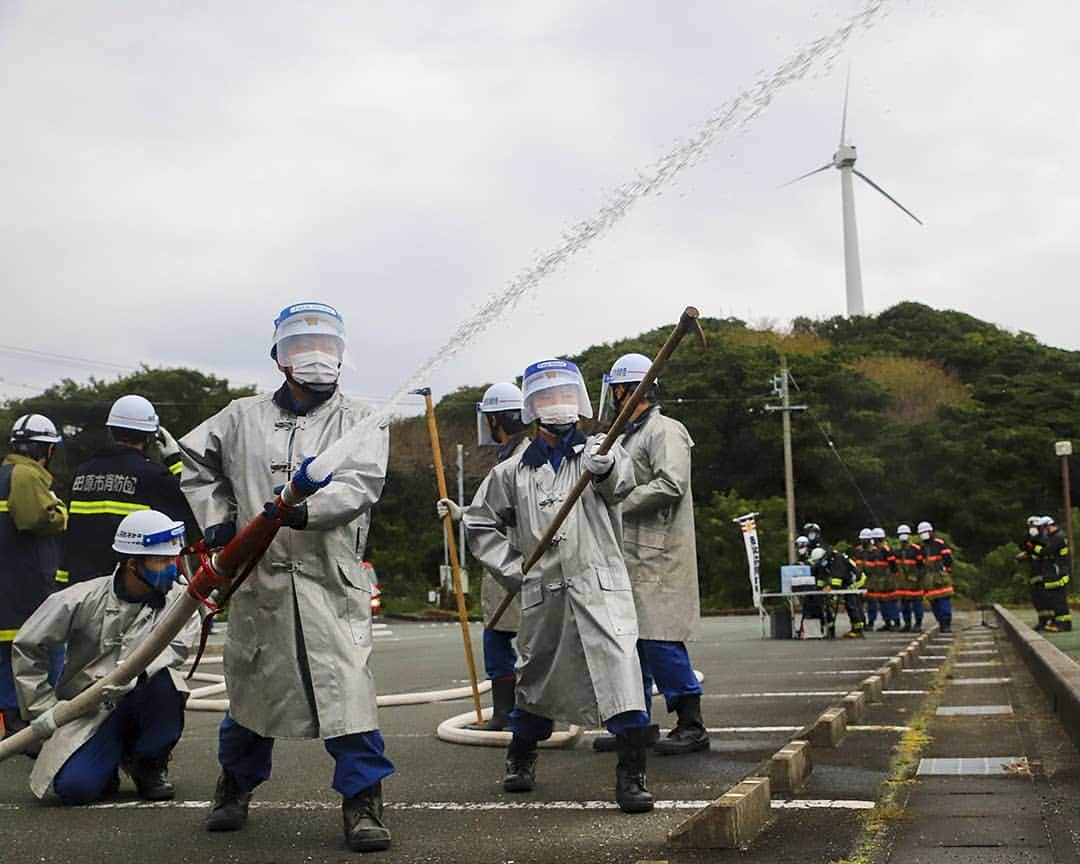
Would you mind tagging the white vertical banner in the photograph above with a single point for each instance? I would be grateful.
(748, 524)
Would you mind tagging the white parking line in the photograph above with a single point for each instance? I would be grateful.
(473, 806)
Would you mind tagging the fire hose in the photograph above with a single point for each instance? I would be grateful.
(216, 571)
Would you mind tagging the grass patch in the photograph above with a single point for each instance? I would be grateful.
(890, 807)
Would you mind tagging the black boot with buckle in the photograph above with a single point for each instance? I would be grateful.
(229, 811)
(689, 734)
(520, 766)
(364, 828)
(151, 777)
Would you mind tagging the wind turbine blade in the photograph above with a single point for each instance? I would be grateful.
(824, 167)
(886, 194)
(843, 117)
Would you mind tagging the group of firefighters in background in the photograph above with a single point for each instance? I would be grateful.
(1046, 550)
(896, 580)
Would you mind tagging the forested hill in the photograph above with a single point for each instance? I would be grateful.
(934, 415)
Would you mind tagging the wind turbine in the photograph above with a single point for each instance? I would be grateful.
(844, 160)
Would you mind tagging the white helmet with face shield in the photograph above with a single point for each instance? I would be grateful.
(554, 393)
(309, 342)
(630, 369)
(501, 398)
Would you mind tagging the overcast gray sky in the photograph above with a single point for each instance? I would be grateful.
(174, 173)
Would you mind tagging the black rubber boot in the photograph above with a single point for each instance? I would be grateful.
(502, 703)
(608, 744)
(151, 778)
(906, 628)
(520, 766)
(689, 735)
(364, 829)
(631, 792)
(230, 808)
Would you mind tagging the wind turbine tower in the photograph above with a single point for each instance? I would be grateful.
(844, 160)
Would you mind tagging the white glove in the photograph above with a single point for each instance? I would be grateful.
(111, 694)
(444, 506)
(45, 724)
(594, 462)
(166, 443)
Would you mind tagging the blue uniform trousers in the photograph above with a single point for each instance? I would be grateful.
(668, 664)
(871, 611)
(358, 758)
(890, 609)
(913, 610)
(147, 722)
(499, 656)
(942, 609)
(532, 727)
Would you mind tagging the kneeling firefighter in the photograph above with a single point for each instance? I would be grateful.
(498, 419)
(103, 621)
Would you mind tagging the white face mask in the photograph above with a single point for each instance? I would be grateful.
(925, 535)
(559, 414)
(904, 538)
(1033, 531)
(315, 367)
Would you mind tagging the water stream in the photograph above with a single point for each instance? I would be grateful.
(736, 113)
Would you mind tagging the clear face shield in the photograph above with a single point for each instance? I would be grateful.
(554, 393)
(315, 358)
(484, 438)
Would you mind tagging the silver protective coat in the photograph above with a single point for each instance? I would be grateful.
(658, 530)
(299, 639)
(577, 658)
(492, 593)
(100, 631)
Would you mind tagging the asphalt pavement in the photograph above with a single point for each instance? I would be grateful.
(446, 802)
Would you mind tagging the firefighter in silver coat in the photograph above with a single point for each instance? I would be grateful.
(498, 424)
(300, 635)
(102, 621)
(577, 659)
(661, 552)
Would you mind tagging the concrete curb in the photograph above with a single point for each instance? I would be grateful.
(829, 729)
(732, 820)
(872, 688)
(790, 767)
(1057, 673)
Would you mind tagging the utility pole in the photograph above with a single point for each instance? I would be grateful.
(780, 388)
(1064, 450)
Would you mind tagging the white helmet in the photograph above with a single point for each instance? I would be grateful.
(924, 527)
(877, 533)
(865, 534)
(133, 412)
(498, 398)
(1034, 520)
(572, 399)
(628, 369)
(1047, 520)
(148, 532)
(903, 531)
(802, 540)
(34, 427)
(817, 554)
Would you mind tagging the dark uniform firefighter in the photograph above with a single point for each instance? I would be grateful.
(498, 423)
(1030, 548)
(119, 480)
(938, 575)
(31, 521)
(835, 571)
(1056, 569)
(910, 563)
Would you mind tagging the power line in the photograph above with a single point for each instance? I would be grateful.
(63, 358)
(836, 453)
